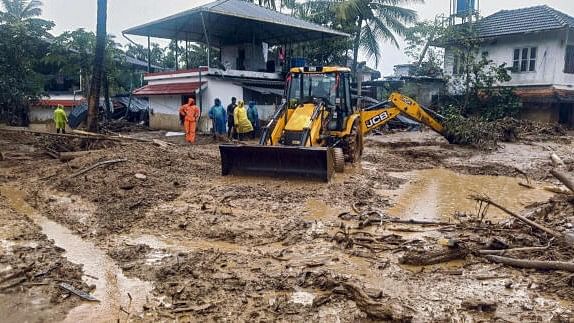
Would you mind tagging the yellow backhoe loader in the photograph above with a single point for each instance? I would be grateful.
(317, 129)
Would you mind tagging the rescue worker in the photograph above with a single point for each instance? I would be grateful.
(60, 118)
(230, 122)
(218, 115)
(190, 114)
(253, 116)
(243, 126)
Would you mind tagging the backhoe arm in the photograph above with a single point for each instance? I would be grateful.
(373, 119)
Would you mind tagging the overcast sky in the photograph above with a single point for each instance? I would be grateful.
(123, 14)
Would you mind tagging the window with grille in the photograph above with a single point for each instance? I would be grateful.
(569, 62)
(524, 59)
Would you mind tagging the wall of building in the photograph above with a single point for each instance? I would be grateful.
(164, 109)
(254, 60)
(562, 78)
(549, 62)
(164, 112)
(542, 112)
(42, 118)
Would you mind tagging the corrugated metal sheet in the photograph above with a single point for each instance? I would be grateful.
(231, 22)
(168, 89)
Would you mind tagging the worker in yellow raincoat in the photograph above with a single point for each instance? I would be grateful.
(190, 113)
(242, 123)
(60, 118)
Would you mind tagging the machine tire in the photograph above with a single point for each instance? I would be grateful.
(339, 160)
(354, 149)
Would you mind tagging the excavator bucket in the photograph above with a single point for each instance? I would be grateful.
(277, 161)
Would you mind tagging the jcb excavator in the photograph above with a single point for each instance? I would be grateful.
(318, 129)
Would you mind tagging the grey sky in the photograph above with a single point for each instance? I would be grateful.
(122, 14)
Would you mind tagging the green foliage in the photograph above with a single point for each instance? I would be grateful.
(22, 45)
(324, 13)
(419, 47)
(373, 21)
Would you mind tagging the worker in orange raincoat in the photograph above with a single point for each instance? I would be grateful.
(189, 115)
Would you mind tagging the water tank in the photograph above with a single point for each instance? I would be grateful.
(465, 7)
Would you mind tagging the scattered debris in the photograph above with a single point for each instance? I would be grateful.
(83, 295)
(96, 165)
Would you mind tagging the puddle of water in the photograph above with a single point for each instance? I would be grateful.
(112, 287)
(438, 193)
(319, 210)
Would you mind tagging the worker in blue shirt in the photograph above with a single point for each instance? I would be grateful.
(218, 115)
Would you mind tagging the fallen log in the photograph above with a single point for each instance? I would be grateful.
(107, 162)
(533, 264)
(565, 179)
(512, 250)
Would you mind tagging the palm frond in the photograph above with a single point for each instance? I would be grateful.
(370, 43)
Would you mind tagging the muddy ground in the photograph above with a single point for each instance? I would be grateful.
(161, 236)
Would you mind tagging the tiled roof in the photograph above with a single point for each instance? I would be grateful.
(525, 20)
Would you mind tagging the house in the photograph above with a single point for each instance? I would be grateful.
(537, 43)
(254, 47)
(65, 90)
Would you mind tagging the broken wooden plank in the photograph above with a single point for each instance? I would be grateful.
(564, 178)
(77, 292)
(107, 162)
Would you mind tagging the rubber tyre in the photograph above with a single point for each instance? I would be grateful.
(354, 150)
(339, 160)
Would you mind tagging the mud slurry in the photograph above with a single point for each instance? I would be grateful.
(189, 245)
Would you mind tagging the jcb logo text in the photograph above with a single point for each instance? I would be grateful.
(376, 119)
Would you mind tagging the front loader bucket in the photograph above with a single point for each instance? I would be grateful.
(277, 161)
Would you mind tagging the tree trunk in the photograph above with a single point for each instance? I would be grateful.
(356, 45)
(106, 85)
(95, 85)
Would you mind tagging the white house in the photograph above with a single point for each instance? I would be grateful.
(537, 43)
(167, 91)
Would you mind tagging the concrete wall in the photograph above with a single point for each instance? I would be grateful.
(562, 78)
(549, 62)
(543, 112)
(253, 56)
(42, 118)
(164, 112)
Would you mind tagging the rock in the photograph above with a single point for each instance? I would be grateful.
(141, 176)
(479, 305)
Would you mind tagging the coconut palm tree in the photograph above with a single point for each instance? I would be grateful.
(20, 10)
(373, 21)
(95, 85)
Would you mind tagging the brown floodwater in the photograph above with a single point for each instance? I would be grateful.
(112, 287)
(437, 194)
